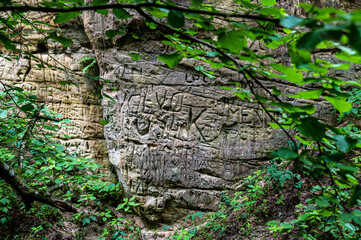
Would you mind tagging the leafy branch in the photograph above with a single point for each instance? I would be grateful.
(134, 6)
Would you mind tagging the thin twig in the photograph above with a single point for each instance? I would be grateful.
(25, 139)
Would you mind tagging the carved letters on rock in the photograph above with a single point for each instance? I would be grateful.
(175, 138)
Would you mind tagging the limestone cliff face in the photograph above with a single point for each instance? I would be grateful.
(175, 138)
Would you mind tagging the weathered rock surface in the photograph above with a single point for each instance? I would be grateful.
(175, 138)
(76, 102)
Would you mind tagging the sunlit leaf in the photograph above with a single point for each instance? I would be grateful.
(268, 2)
(135, 57)
(311, 94)
(341, 105)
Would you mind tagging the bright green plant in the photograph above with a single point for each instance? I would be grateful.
(89, 64)
(239, 211)
(355, 100)
(188, 233)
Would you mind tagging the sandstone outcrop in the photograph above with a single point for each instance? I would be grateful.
(175, 139)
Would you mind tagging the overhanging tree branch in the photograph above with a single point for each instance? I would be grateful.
(134, 6)
(28, 194)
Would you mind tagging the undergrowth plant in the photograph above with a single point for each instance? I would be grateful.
(48, 168)
(189, 232)
(309, 194)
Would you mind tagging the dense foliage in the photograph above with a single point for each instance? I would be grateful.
(50, 170)
(319, 162)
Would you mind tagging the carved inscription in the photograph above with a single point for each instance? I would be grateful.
(169, 131)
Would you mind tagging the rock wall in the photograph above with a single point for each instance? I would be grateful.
(175, 139)
(78, 103)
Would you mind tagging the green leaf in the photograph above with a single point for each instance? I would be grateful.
(27, 107)
(5, 2)
(344, 143)
(121, 13)
(341, 105)
(348, 57)
(234, 41)
(171, 60)
(273, 223)
(104, 122)
(290, 108)
(305, 216)
(197, 2)
(312, 128)
(66, 42)
(356, 194)
(100, 2)
(310, 40)
(347, 217)
(276, 126)
(8, 44)
(212, 54)
(322, 202)
(176, 19)
(65, 17)
(112, 33)
(291, 21)
(134, 56)
(354, 37)
(289, 73)
(298, 56)
(3, 113)
(285, 153)
(197, 214)
(60, 148)
(311, 94)
(268, 2)
(103, 11)
(286, 225)
(205, 72)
